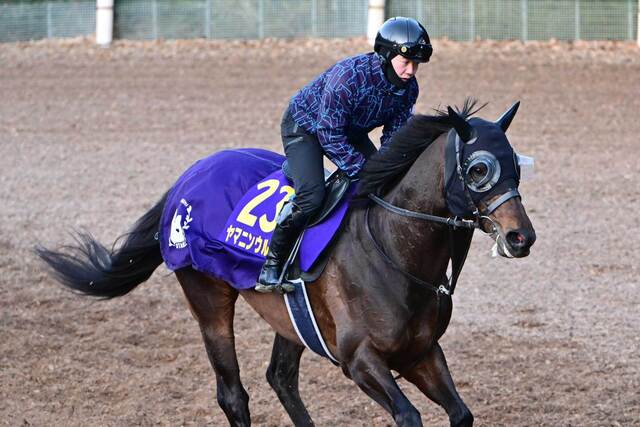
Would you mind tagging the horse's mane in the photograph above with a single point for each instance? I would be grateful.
(389, 164)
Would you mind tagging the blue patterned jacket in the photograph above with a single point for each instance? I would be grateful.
(353, 96)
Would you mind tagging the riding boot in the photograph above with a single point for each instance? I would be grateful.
(291, 222)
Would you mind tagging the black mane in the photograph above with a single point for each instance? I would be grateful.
(405, 146)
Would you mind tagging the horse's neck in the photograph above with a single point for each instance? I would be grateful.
(421, 247)
(422, 187)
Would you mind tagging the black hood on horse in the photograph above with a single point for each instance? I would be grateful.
(479, 163)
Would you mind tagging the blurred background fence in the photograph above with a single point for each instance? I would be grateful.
(254, 19)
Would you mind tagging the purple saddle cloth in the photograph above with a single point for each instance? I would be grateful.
(220, 214)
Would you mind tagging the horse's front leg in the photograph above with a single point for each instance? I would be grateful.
(373, 376)
(432, 377)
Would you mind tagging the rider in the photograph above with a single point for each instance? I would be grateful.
(333, 115)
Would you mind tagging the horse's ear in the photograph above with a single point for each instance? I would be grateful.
(462, 127)
(505, 119)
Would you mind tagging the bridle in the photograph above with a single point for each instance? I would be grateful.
(447, 286)
(457, 255)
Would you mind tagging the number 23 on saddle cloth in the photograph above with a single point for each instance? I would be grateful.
(220, 214)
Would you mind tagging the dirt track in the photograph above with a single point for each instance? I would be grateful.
(90, 138)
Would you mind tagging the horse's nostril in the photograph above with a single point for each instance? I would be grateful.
(516, 239)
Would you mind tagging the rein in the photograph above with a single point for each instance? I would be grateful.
(457, 256)
(458, 241)
(441, 289)
(450, 221)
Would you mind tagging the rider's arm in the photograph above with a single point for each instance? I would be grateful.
(333, 118)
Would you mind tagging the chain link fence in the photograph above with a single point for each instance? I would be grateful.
(254, 19)
(220, 19)
(523, 19)
(30, 20)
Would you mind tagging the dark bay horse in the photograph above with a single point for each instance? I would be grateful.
(383, 300)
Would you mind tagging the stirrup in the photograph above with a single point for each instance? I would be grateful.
(281, 288)
(264, 289)
(286, 287)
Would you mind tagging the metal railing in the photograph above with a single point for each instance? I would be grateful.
(255, 19)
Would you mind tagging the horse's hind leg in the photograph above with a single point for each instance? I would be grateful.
(432, 377)
(282, 374)
(212, 302)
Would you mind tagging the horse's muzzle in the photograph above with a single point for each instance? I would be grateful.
(520, 241)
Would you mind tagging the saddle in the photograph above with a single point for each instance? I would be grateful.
(336, 186)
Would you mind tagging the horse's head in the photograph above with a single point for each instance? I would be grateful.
(483, 174)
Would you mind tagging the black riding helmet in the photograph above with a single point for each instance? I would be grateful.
(405, 37)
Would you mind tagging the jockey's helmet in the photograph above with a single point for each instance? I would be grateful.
(405, 37)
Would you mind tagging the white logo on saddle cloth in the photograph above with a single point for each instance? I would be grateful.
(178, 226)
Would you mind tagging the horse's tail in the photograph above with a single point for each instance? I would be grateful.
(90, 268)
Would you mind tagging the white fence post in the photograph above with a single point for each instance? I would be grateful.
(104, 22)
(375, 18)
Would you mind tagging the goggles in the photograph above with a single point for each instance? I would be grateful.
(420, 51)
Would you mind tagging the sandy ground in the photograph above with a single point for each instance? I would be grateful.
(90, 138)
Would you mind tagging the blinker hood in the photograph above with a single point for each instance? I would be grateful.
(483, 166)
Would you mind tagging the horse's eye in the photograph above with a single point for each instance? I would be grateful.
(482, 171)
(478, 172)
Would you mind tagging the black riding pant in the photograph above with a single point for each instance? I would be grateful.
(304, 155)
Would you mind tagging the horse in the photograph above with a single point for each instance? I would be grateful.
(384, 298)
